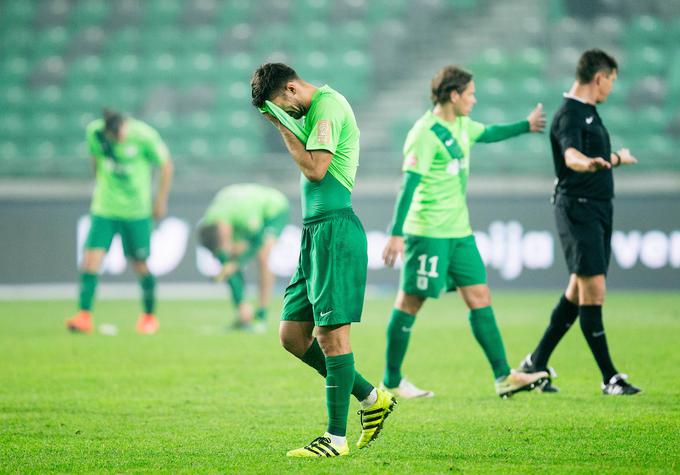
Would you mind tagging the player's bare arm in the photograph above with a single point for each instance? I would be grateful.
(622, 157)
(312, 163)
(536, 119)
(160, 207)
(580, 163)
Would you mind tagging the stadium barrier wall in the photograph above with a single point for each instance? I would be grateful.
(41, 240)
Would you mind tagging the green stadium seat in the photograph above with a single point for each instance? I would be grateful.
(645, 29)
(158, 12)
(90, 12)
(124, 41)
(351, 35)
(306, 11)
(50, 42)
(233, 12)
(645, 61)
(19, 13)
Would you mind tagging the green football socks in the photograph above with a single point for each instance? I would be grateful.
(339, 382)
(398, 335)
(486, 332)
(238, 284)
(148, 284)
(315, 358)
(88, 284)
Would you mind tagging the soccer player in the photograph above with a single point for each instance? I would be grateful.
(431, 229)
(583, 196)
(326, 291)
(124, 152)
(243, 221)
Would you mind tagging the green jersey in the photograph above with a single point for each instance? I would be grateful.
(330, 125)
(246, 208)
(124, 170)
(439, 151)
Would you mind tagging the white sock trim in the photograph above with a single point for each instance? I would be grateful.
(370, 399)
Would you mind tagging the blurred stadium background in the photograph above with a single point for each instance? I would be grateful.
(184, 67)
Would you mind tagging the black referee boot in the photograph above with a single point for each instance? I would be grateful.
(528, 366)
(618, 386)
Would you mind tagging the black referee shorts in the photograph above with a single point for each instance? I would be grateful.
(585, 229)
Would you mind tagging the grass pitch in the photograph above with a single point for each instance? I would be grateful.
(196, 398)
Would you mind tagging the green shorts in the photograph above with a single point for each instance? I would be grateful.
(328, 285)
(135, 234)
(435, 264)
(274, 226)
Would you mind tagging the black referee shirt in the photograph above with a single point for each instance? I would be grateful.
(577, 124)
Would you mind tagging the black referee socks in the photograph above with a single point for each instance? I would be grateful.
(562, 317)
(593, 330)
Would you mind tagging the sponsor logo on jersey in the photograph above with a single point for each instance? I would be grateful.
(411, 160)
(323, 132)
(589, 120)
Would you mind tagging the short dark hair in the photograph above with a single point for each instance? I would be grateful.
(209, 237)
(268, 80)
(112, 121)
(449, 79)
(592, 62)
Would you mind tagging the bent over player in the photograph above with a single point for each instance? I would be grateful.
(326, 291)
(432, 230)
(243, 221)
(584, 190)
(124, 152)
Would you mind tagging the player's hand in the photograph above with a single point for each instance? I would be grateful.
(271, 119)
(536, 119)
(393, 249)
(160, 209)
(226, 271)
(626, 157)
(598, 163)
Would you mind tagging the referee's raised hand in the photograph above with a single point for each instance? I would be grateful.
(536, 119)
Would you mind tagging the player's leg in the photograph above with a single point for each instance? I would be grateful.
(467, 270)
(423, 275)
(266, 279)
(97, 244)
(136, 237)
(399, 328)
(562, 318)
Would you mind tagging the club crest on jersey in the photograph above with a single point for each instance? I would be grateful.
(411, 160)
(323, 132)
(130, 150)
(453, 168)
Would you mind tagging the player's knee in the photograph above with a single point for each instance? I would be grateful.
(140, 267)
(410, 304)
(91, 261)
(294, 344)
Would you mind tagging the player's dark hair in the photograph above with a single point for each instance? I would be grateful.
(592, 62)
(449, 79)
(112, 121)
(268, 80)
(209, 237)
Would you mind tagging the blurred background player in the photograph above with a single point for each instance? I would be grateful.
(326, 291)
(584, 190)
(243, 221)
(431, 228)
(124, 152)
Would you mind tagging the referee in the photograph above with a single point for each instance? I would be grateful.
(584, 189)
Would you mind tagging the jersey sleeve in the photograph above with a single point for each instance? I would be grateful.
(475, 130)
(419, 151)
(93, 144)
(327, 121)
(156, 150)
(569, 133)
